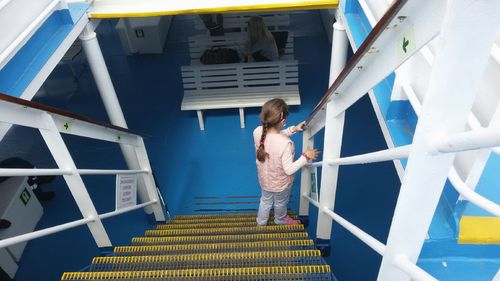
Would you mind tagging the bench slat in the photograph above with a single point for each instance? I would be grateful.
(226, 86)
(208, 80)
(190, 99)
(239, 103)
(221, 69)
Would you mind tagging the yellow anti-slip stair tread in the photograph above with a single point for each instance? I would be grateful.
(203, 238)
(180, 247)
(207, 216)
(208, 256)
(209, 225)
(224, 230)
(197, 272)
(217, 220)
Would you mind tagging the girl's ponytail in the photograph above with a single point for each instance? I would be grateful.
(273, 112)
(261, 152)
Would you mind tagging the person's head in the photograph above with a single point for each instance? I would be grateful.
(273, 115)
(257, 30)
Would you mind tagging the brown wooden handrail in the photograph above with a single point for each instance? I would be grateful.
(381, 25)
(50, 109)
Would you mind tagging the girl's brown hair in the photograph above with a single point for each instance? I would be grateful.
(257, 30)
(273, 111)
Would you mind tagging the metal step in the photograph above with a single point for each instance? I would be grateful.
(211, 224)
(220, 220)
(305, 244)
(316, 272)
(226, 230)
(169, 240)
(219, 216)
(213, 247)
(209, 260)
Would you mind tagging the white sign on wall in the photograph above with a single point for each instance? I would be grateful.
(126, 191)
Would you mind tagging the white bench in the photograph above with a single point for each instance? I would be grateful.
(238, 22)
(238, 85)
(235, 40)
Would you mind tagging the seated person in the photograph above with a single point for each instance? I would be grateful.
(260, 45)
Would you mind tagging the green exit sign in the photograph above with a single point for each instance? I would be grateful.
(139, 33)
(25, 196)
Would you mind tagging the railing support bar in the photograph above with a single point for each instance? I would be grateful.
(315, 164)
(150, 187)
(125, 210)
(378, 156)
(390, 154)
(10, 172)
(63, 159)
(305, 175)
(110, 172)
(473, 196)
(471, 140)
(43, 232)
(373, 243)
(334, 128)
(110, 100)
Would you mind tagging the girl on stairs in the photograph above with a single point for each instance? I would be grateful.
(275, 165)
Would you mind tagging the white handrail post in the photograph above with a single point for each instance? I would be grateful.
(148, 180)
(334, 127)
(64, 161)
(111, 104)
(305, 180)
(453, 84)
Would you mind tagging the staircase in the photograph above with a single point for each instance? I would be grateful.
(213, 247)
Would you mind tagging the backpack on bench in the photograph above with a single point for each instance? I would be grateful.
(219, 56)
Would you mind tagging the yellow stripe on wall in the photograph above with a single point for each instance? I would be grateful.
(306, 5)
(479, 230)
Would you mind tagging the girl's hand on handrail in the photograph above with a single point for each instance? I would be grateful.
(300, 127)
(311, 154)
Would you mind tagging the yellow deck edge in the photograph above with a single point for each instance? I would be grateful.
(479, 230)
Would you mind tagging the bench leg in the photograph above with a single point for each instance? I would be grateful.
(242, 118)
(200, 120)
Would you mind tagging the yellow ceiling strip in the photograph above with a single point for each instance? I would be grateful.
(306, 5)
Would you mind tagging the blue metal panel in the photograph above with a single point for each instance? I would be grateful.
(487, 186)
(29, 60)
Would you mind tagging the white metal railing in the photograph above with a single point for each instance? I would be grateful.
(373, 243)
(51, 230)
(44, 232)
(9, 172)
(428, 55)
(390, 154)
(427, 153)
(471, 140)
(51, 123)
